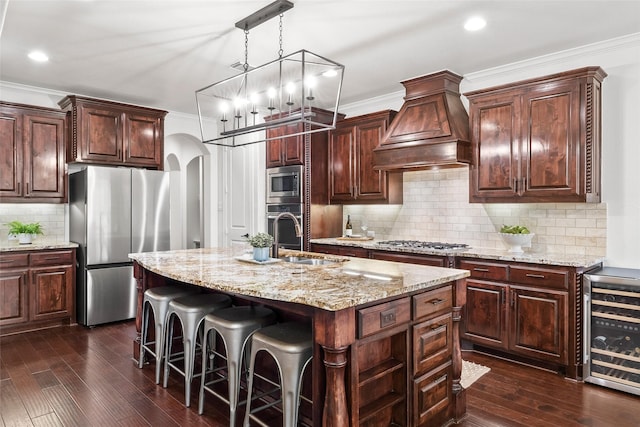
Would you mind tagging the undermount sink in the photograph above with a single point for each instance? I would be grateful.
(307, 261)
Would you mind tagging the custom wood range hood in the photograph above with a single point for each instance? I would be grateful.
(431, 130)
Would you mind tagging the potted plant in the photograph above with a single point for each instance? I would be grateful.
(261, 243)
(24, 232)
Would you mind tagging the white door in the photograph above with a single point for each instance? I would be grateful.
(242, 196)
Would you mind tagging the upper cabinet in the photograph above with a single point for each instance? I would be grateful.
(352, 178)
(537, 140)
(285, 151)
(32, 153)
(110, 133)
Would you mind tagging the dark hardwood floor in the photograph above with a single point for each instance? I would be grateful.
(85, 377)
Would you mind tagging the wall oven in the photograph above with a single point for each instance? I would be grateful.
(284, 185)
(286, 228)
(612, 328)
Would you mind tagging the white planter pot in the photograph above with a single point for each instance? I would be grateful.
(25, 239)
(261, 254)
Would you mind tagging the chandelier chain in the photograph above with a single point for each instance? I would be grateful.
(280, 52)
(245, 66)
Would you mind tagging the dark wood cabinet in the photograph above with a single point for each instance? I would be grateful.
(537, 140)
(32, 149)
(285, 151)
(353, 251)
(352, 177)
(110, 133)
(38, 289)
(525, 310)
(433, 260)
(14, 273)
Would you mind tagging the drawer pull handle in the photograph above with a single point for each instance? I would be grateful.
(7, 261)
(434, 327)
(387, 318)
(481, 270)
(439, 380)
(436, 301)
(51, 258)
(535, 276)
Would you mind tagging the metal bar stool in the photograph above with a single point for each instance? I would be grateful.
(235, 326)
(291, 346)
(157, 300)
(190, 311)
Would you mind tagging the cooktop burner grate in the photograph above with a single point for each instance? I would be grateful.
(422, 244)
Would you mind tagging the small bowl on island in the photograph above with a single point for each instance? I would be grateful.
(516, 236)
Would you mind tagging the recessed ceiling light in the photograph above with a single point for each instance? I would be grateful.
(38, 56)
(475, 23)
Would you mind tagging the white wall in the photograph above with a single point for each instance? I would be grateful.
(620, 58)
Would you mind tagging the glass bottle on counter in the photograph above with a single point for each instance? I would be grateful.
(348, 229)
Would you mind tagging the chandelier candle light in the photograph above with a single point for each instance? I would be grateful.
(238, 110)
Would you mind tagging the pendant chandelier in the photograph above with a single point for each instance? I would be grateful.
(285, 94)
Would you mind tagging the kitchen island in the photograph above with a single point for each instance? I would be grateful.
(386, 334)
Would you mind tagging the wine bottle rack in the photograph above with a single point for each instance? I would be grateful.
(615, 335)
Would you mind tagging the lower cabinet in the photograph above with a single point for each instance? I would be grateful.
(37, 290)
(525, 311)
(404, 356)
(340, 250)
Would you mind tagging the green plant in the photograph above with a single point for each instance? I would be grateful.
(17, 227)
(261, 240)
(514, 229)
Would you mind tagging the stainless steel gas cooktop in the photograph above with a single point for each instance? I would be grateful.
(422, 245)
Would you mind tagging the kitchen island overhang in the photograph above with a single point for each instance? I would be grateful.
(353, 304)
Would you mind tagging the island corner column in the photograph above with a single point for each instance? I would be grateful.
(459, 393)
(334, 333)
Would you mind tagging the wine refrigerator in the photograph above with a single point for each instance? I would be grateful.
(612, 328)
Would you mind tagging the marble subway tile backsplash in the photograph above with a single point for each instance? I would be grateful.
(50, 216)
(436, 208)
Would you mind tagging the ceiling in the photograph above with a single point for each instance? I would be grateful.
(157, 53)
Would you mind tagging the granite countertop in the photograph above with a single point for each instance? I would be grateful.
(37, 245)
(349, 282)
(580, 261)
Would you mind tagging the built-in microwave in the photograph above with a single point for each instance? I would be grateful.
(284, 184)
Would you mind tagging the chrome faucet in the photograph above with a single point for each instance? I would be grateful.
(296, 224)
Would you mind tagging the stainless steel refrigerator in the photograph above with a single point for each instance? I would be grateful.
(114, 212)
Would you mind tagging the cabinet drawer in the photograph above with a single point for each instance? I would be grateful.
(485, 270)
(432, 343)
(14, 260)
(550, 278)
(432, 302)
(383, 316)
(432, 394)
(52, 258)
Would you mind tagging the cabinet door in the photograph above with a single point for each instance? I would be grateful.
(45, 160)
(51, 292)
(370, 184)
(100, 134)
(495, 131)
(551, 141)
(341, 157)
(13, 296)
(285, 151)
(539, 323)
(10, 153)
(485, 314)
(143, 139)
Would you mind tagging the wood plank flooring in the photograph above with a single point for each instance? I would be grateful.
(76, 376)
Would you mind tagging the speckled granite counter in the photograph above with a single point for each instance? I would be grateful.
(486, 253)
(337, 286)
(14, 246)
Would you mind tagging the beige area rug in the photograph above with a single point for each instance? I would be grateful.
(471, 372)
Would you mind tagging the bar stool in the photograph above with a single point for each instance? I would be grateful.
(157, 300)
(190, 311)
(235, 326)
(291, 346)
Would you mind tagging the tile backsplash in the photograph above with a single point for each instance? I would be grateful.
(50, 216)
(436, 208)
